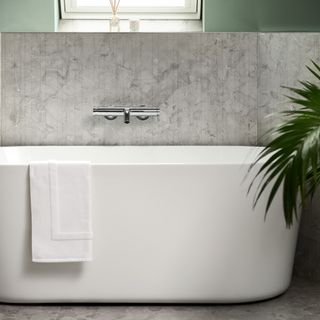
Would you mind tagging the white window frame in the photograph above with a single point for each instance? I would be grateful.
(192, 10)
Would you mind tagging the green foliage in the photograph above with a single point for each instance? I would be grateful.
(292, 158)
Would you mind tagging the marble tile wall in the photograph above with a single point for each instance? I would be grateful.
(205, 85)
(282, 59)
(212, 88)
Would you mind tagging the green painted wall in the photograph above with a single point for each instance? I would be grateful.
(29, 15)
(261, 15)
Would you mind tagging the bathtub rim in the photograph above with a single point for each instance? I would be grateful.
(246, 155)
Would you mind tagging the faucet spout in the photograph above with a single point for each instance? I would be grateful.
(126, 115)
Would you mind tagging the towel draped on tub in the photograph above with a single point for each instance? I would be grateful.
(61, 211)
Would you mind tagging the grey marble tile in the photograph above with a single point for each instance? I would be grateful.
(300, 302)
(205, 85)
(282, 58)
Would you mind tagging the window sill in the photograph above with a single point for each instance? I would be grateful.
(145, 26)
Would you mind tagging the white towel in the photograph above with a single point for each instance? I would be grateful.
(61, 215)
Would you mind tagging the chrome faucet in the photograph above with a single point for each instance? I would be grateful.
(141, 112)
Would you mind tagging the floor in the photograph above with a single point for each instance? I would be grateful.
(302, 301)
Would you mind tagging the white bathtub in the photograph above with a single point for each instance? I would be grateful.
(171, 224)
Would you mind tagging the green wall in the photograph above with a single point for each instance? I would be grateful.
(261, 15)
(29, 15)
(218, 15)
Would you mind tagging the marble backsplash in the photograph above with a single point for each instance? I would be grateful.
(205, 85)
(212, 88)
(282, 60)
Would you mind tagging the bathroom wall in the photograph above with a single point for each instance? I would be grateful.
(261, 15)
(282, 60)
(30, 15)
(212, 88)
(205, 85)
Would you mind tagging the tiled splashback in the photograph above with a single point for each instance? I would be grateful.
(205, 85)
(212, 88)
(282, 58)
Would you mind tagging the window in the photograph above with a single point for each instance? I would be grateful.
(144, 9)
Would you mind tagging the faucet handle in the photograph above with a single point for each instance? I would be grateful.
(112, 112)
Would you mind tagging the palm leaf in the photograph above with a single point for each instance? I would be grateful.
(292, 158)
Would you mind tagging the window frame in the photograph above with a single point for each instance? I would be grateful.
(193, 12)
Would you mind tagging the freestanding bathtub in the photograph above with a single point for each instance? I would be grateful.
(171, 225)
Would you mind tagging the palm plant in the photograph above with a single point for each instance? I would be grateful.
(293, 154)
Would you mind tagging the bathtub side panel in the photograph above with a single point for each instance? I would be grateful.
(162, 233)
(15, 231)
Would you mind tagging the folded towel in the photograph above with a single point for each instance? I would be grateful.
(61, 216)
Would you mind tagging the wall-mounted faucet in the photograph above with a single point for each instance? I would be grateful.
(141, 112)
